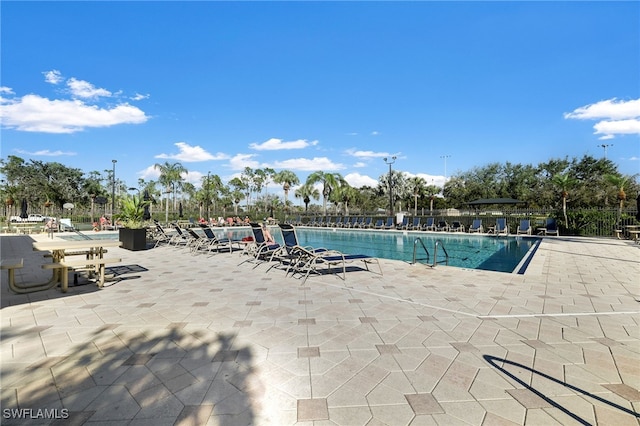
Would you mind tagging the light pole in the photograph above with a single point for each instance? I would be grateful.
(445, 166)
(113, 189)
(207, 192)
(390, 162)
(134, 189)
(605, 146)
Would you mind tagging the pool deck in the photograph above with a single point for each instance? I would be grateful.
(189, 339)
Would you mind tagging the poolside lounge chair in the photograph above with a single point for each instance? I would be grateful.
(261, 251)
(216, 243)
(415, 224)
(501, 227)
(308, 261)
(353, 223)
(160, 236)
(551, 228)
(389, 223)
(524, 227)
(476, 226)
(379, 224)
(404, 223)
(442, 225)
(456, 226)
(430, 225)
(365, 223)
(290, 253)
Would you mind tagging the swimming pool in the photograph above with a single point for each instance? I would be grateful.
(472, 251)
(501, 254)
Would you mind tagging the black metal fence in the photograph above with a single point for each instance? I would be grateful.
(603, 222)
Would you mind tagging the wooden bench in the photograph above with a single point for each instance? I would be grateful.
(97, 265)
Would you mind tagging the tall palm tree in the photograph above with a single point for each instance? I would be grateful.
(330, 181)
(418, 186)
(287, 179)
(431, 191)
(620, 182)
(564, 182)
(170, 177)
(306, 192)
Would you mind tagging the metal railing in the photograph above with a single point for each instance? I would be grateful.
(435, 253)
(415, 247)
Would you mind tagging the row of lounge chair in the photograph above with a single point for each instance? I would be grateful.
(500, 228)
(291, 256)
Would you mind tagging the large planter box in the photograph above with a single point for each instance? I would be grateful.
(133, 239)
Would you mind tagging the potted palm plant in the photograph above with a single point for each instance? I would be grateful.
(133, 229)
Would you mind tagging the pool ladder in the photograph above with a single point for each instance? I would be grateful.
(435, 252)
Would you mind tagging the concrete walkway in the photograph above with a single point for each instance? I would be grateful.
(190, 339)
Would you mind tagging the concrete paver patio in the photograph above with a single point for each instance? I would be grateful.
(190, 339)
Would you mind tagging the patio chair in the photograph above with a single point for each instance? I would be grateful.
(404, 223)
(443, 225)
(476, 226)
(415, 224)
(66, 225)
(389, 223)
(365, 223)
(430, 225)
(308, 261)
(379, 224)
(261, 251)
(220, 243)
(524, 227)
(456, 226)
(353, 223)
(501, 227)
(551, 228)
(160, 236)
(290, 252)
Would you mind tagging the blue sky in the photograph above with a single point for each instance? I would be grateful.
(332, 86)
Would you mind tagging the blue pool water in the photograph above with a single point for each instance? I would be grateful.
(501, 254)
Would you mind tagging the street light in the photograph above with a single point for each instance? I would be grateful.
(445, 166)
(390, 162)
(605, 146)
(134, 189)
(207, 200)
(113, 188)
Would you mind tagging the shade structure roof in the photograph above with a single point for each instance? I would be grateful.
(487, 201)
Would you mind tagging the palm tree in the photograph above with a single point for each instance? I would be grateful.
(170, 177)
(431, 191)
(620, 182)
(306, 192)
(564, 182)
(330, 181)
(287, 179)
(418, 186)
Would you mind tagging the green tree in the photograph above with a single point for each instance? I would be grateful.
(564, 182)
(329, 181)
(170, 178)
(287, 179)
(307, 192)
(418, 187)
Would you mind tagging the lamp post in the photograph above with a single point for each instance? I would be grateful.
(445, 166)
(605, 146)
(207, 195)
(113, 188)
(134, 189)
(166, 217)
(390, 162)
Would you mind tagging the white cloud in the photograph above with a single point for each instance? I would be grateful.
(360, 164)
(84, 89)
(6, 90)
(366, 154)
(33, 113)
(46, 153)
(375, 133)
(616, 117)
(240, 161)
(309, 164)
(190, 154)
(139, 97)
(274, 144)
(53, 76)
(358, 181)
(150, 173)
